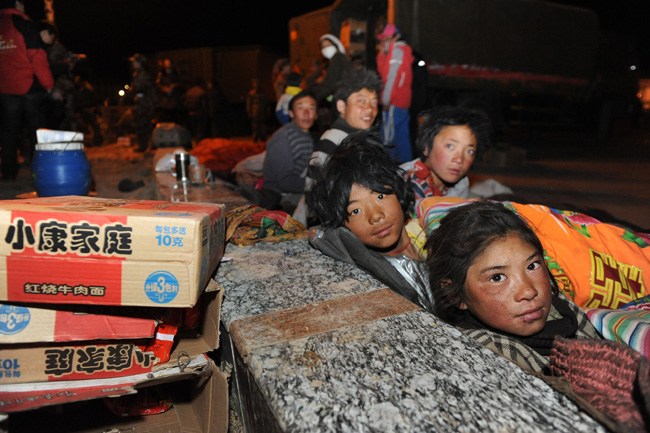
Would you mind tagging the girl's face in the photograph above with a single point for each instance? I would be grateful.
(377, 219)
(508, 287)
(452, 154)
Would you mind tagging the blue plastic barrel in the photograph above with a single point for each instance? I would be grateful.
(61, 169)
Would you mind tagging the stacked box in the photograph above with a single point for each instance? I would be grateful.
(80, 250)
(85, 286)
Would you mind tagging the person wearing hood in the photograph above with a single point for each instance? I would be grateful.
(338, 65)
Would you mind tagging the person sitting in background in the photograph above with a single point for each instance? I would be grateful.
(292, 89)
(448, 141)
(289, 149)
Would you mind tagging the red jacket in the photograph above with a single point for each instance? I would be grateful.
(395, 68)
(21, 54)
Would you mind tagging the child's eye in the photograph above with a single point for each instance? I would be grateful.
(380, 197)
(354, 212)
(497, 278)
(449, 146)
(535, 265)
(471, 151)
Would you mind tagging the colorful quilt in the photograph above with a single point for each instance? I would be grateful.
(601, 267)
(630, 324)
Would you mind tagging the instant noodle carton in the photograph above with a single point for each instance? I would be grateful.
(83, 250)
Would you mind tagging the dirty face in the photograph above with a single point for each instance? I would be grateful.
(508, 287)
(451, 155)
(377, 219)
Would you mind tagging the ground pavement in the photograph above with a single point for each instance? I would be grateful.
(560, 168)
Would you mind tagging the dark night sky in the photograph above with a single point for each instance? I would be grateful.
(109, 31)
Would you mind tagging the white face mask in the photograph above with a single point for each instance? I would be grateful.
(328, 52)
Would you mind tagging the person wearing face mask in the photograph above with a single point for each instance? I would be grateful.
(338, 65)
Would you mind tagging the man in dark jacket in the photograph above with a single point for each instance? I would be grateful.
(25, 79)
(289, 149)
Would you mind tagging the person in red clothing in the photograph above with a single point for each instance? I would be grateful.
(394, 64)
(25, 79)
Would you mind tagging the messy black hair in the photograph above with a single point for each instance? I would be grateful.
(432, 121)
(464, 233)
(300, 95)
(363, 159)
(355, 80)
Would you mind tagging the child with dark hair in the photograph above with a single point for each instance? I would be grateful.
(449, 138)
(362, 202)
(488, 277)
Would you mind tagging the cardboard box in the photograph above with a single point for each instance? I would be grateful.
(25, 396)
(22, 324)
(25, 364)
(81, 366)
(200, 405)
(83, 250)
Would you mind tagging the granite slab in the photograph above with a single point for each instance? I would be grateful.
(268, 277)
(404, 371)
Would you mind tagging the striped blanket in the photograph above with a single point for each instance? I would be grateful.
(629, 324)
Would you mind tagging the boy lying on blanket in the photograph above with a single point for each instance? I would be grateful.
(362, 202)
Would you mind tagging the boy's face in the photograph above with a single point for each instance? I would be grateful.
(508, 287)
(360, 110)
(376, 219)
(451, 154)
(304, 112)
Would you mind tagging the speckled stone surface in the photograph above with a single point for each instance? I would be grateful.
(403, 373)
(269, 277)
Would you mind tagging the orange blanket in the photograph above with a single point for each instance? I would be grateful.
(598, 265)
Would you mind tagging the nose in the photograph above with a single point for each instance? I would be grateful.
(526, 290)
(375, 214)
(457, 156)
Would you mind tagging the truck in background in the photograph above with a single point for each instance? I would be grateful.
(527, 63)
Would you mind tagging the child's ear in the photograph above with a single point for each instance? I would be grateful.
(425, 152)
(462, 306)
